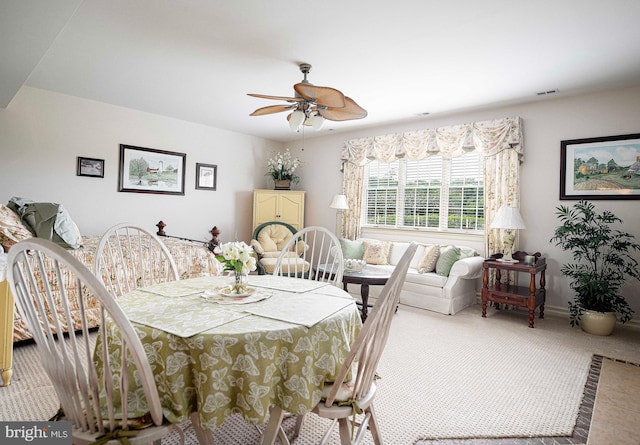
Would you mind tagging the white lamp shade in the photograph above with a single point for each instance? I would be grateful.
(339, 202)
(297, 118)
(317, 121)
(508, 217)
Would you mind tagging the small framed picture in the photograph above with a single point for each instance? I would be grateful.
(90, 167)
(206, 176)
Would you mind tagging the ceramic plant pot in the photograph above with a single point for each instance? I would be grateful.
(598, 323)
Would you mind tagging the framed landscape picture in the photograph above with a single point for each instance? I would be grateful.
(600, 168)
(206, 176)
(146, 170)
(90, 167)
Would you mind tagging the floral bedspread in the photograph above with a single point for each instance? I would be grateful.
(192, 259)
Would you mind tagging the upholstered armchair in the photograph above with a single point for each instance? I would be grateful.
(268, 241)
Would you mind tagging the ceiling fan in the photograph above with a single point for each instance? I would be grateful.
(313, 104)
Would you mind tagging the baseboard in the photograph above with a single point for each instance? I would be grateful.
(561, 312)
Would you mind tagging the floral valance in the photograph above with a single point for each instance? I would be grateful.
(486, 137)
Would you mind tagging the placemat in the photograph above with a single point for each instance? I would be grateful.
(303, 309)
(187, 317)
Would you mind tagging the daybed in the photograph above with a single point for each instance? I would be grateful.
(443, 279)
(193, 259)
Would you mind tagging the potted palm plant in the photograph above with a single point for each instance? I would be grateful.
(602, 261)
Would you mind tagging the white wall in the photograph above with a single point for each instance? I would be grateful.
(546, 123)
(42, 133)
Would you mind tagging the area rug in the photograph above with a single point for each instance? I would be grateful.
(485, 378)
(442, 377)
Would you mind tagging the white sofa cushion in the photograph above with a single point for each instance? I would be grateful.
(397, 250)
(427, 279)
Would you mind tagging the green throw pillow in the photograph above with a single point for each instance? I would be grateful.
(448, 256)
(352, 249)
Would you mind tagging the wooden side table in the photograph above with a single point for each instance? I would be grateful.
(521, 296)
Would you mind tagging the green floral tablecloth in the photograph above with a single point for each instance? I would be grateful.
(227, 356)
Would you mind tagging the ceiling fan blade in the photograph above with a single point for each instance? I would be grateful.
(287, 99)
(323, 96)
(272, 109)
(350, 111)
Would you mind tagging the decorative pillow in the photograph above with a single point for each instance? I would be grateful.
(430, 258)
(67, 229)
(448, 256)
(376, 252)
(48, 220)
(352, 249)
(11, 228)
(466, 252)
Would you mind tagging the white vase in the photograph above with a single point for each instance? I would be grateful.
(598, 323)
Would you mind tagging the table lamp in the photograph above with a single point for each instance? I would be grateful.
(339, 203)
(508, 218)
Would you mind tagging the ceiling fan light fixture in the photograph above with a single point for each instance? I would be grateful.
(317, 121)
(313, 105)
(296, 119)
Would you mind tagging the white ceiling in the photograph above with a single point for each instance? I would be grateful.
(196, 59)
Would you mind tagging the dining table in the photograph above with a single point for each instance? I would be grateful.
(263, 353)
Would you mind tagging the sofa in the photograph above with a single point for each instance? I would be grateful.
(441, 278)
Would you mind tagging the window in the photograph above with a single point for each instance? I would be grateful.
(432, 193)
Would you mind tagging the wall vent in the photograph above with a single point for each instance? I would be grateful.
(544, 93)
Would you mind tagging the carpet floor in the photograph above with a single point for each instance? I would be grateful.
(445, 379)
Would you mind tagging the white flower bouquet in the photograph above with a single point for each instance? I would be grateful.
(238, 258)
(282, 167)
(236, 255)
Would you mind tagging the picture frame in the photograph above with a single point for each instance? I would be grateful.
(600, 168)
(206, 176)
(147, 170)
(90, 167)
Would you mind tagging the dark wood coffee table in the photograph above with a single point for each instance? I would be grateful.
(369, 276)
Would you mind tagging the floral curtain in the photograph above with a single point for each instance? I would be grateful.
(487, 137)
(352, 188)
(499, 141)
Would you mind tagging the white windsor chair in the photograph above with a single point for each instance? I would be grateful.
(315, 246)
(342, 399)
(83, 378)
(129, 257)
